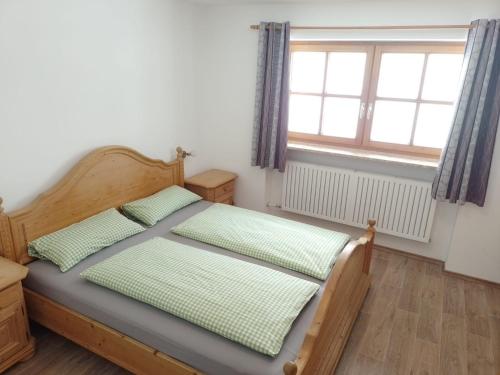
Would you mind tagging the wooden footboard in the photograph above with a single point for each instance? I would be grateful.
(337, 312)
(118, 348)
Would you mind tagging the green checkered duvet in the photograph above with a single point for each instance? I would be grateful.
(286, 243)
(244, 302)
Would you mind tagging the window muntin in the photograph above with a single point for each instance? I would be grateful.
(387, 96)
(335, 95)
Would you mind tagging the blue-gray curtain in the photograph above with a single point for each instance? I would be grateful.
(270, 128)
(464, 168)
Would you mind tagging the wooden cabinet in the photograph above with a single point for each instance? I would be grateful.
(214, 185)
(16, 343)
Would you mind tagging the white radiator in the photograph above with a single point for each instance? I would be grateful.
(402, 207)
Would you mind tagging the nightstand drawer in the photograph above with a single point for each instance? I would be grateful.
(226, 200)
(214, 185)
(13, 336)
(16, 343)
(12, 332)
(10, 295)
(225, 189)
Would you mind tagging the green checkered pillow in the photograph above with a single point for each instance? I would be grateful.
(152, 209)
(68, 246)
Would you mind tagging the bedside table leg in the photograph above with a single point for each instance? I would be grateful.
(29, 351)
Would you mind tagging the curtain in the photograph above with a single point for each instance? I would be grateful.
(464, 168)
(270, 126)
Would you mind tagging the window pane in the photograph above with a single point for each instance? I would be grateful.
(442, 76)
(304, 111)
(433, 125)
(346, 71)
(340, 117)
(307, 73)
(392, 122)
(400, 75)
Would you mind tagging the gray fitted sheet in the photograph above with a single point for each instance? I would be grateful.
(199, 348)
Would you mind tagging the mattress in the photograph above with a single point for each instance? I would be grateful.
(193, 345)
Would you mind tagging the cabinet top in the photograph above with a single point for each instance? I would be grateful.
(211, 178)
(11, 273)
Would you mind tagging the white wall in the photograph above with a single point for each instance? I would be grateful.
(75, 75)
(475, 246)
(152, 74)
(226, 69)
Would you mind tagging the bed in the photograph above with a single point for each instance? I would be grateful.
(139, 337)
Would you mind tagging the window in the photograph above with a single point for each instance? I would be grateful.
(394, 97)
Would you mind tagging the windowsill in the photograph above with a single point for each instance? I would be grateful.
(366, 155)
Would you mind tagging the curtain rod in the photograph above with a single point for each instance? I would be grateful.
(390, 27)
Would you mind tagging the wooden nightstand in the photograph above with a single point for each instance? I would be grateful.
(213, 185)
(16, 343)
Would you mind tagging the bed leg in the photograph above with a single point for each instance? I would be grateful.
(290, 368)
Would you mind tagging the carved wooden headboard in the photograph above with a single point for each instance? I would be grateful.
(107, 177)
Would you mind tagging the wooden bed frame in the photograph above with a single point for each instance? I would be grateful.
(111, 176)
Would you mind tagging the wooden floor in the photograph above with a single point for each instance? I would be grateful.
(415, 320)
(418, 320)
